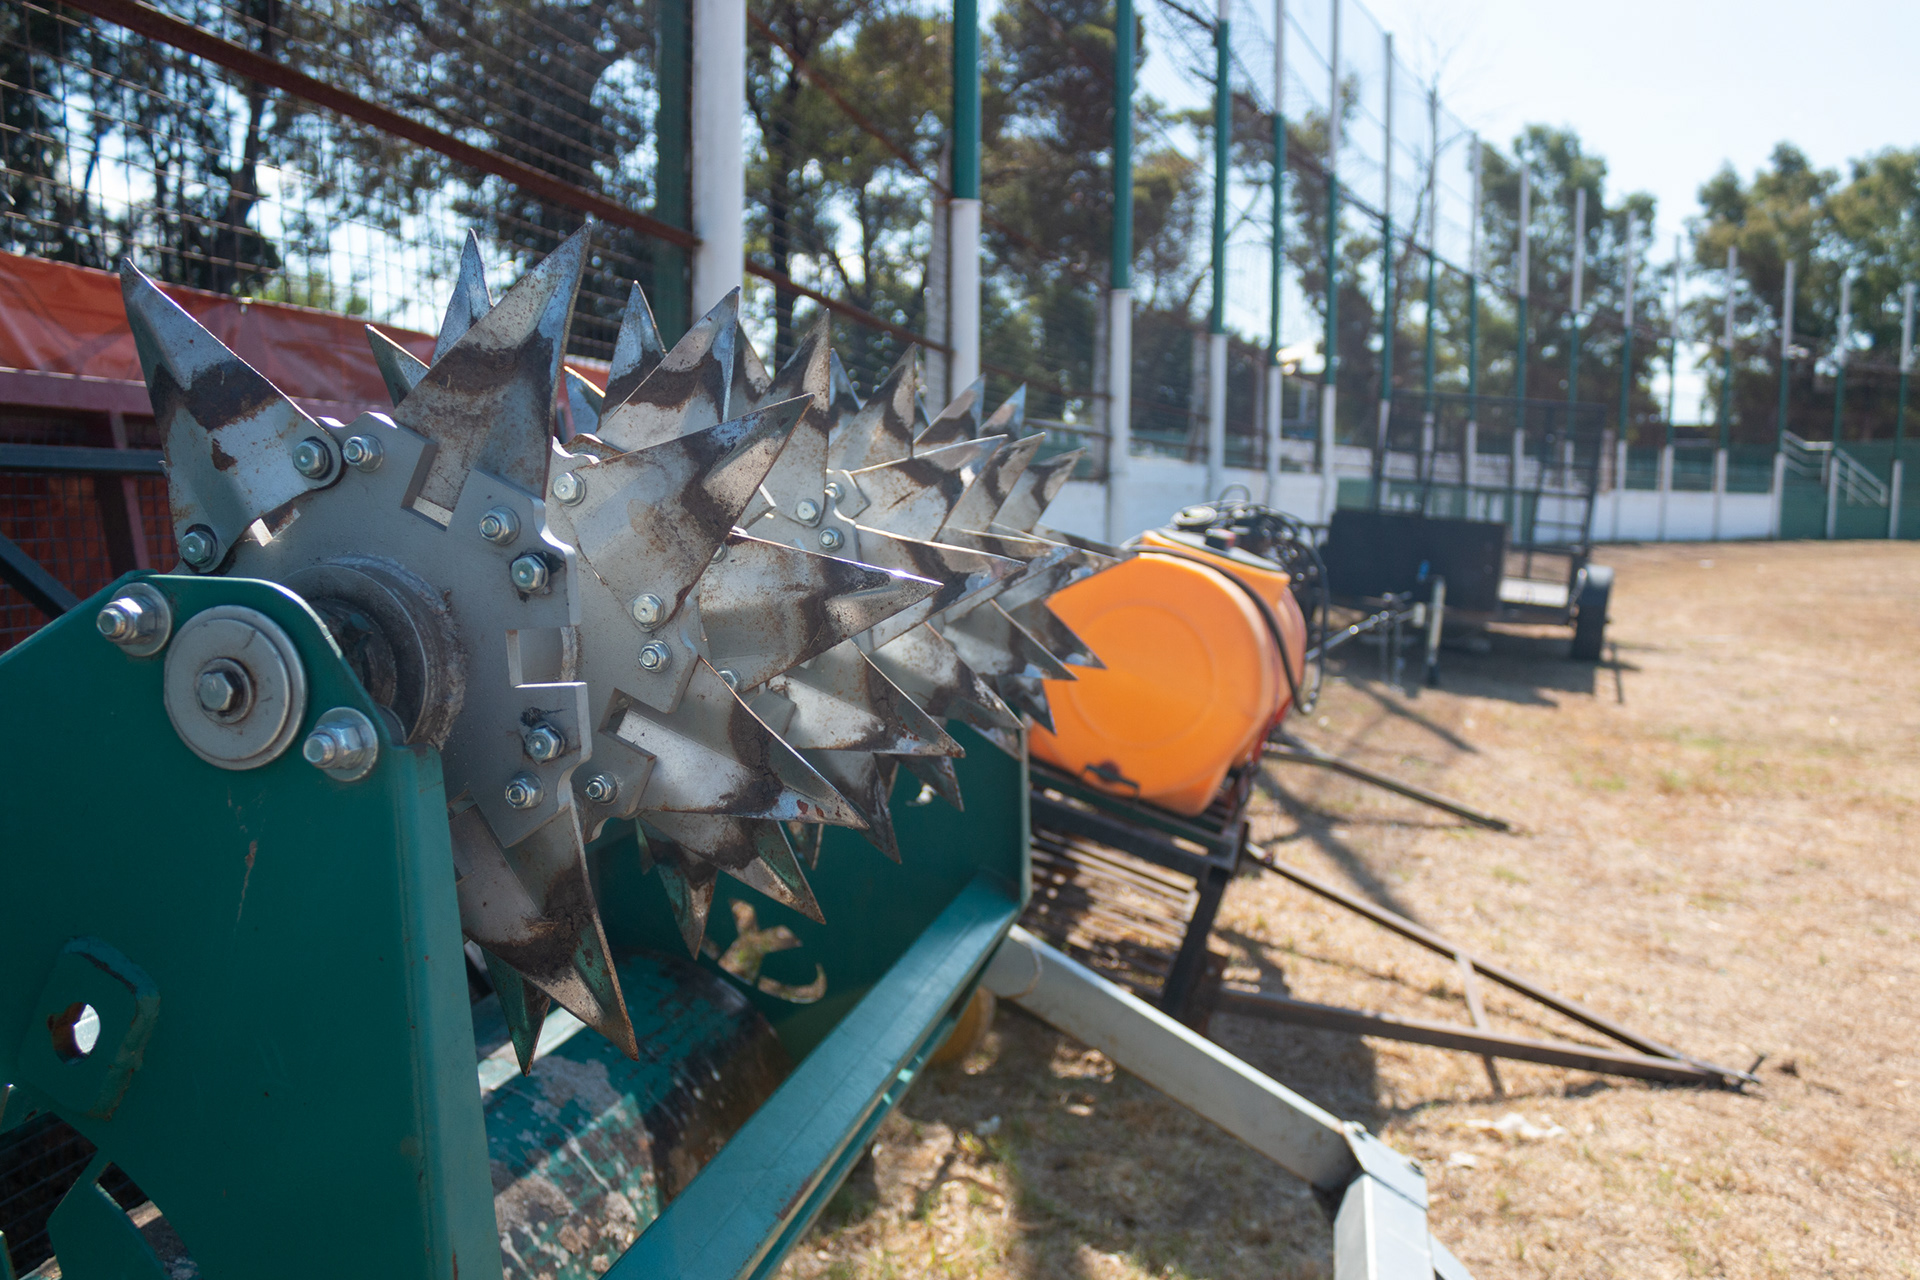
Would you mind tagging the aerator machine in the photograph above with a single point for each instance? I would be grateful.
(534, 852)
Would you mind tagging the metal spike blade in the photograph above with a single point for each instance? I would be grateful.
(711, 754)
(865, 779)
(767, 606)
(936, 772)
(650, 519)
(1035, 489)
(799, 473)
(882, 429)
(637, 348)
(842, 702)
(229, 434)
(807, 839)
(689, 885)
(1010, 417)
(399, 368)
(487, 401)
(751, 381)
(471, 298)
(959, 421)
(753, 852)
(532, 906)
(585, 401)
(1029, 695)
(1046, 626)
(845, 398)
(687, 391)
(1097, 555)
(990, 490)
(932, 673)
(961, 573)
(522, 1004)
(994, 645)
(914, 497)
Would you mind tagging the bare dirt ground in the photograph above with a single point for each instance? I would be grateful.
(1717, 847)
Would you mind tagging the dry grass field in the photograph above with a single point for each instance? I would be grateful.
(1716, 846)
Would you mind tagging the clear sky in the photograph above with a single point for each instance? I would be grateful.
(1669, 90)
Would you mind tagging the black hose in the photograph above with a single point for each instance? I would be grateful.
(1267, 614)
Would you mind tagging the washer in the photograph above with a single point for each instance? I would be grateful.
(249, 655)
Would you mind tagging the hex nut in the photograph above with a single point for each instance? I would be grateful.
(312, 458)
(138, 619)
(342, 744)
(199, 547)
(523, 791)
(649, 610)
(655, 656)
(731, 677)
(500, 526)
(833, 490)
(542, 743)
(223, 689)
(363, 453)
(253, 655)
(830, 539)
(529, 573)
(602, 788)
(569, 488)
(806, 511)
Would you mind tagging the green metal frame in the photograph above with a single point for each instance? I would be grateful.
(287, 1058)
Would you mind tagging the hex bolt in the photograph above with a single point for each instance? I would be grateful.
(500, 526)
(569, 488)
(523, 791)
(806, 511)
(830, 539)
(731, 676)
(364, 453)
(601, 788)
(655, 656)
(543, 742)
(833, 490)
(121, 620)
(529, 573)
(311, 459)
(217, 691)
(337, 746)
(649, 610)
(719, 554)
(199, 548)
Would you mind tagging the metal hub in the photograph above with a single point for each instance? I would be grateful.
(234, 687)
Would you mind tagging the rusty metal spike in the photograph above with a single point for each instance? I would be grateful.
(1010, 417)
(399, 368)
(687, 391)
(532, 906)
(471, 298)
(960, 420)
(767, 606)
(913, 497)
(584, 403)
(931, 671)
(800, 473)
(961, 572)
(754, 852)
(229, 434)
(994, 645)
(522, 1004)
(637, 348)
(1035, 489)
(841, 701)
(1027, 694)
(994, 484)
(689, 885)
(487, 400)
(882, 429)
(845, 398)
(751, 380)
(1047, 627)
(865, 780)
(936, 772)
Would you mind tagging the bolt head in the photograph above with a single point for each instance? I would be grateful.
(120, 620)
(731, 677)
(649, 610)
(199, 548)
(543, 742)
(806, 511)
(500, 526)
(311, 459)
(218, 692)
(833, 490)
(655, 656)
(529, 573)
(602, 789)
(830, 539)
(523, 791)
(363, 453)
(569, 488)
(719, 554)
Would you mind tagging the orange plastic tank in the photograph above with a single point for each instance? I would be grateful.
(1192, 683)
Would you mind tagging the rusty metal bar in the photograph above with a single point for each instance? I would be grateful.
(1512, 981)
(1447, 1035)
(169, 30)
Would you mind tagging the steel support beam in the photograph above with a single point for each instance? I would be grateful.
(24, 574)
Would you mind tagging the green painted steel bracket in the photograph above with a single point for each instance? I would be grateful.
(285, 1061)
